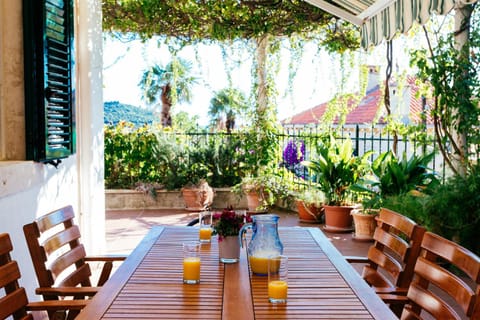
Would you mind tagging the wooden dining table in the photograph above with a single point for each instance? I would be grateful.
(148, 285)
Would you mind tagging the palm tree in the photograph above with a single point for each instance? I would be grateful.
(225, 106)
(173, 83)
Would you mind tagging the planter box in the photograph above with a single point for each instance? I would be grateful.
(132, 199)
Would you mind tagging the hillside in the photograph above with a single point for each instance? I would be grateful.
(115, 112)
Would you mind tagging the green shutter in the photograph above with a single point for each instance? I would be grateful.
(49, 79)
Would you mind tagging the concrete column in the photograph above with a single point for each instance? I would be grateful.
(89, 117)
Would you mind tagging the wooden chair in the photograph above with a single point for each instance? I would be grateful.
(391, 259)
(59, 259)
(13, 298)
(450, 297)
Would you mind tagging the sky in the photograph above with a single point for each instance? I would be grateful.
(317, 78)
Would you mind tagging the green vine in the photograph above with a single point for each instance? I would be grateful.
(192, 20)
(453, 74)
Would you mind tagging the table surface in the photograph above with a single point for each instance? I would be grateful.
(148, 285)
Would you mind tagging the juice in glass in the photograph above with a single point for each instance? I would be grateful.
(191, 270)
(205, 221)
(277, 290)
(191, 262)
(278, 279)
(205, 234)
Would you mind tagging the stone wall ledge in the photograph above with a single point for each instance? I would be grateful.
(125, 199)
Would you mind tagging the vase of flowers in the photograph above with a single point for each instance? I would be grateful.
(227, 225)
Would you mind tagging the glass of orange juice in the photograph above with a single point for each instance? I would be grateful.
(205, 222)
(278, 279)
(191, 262)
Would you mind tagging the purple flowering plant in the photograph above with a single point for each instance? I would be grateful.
(228, 223)
(294, 152)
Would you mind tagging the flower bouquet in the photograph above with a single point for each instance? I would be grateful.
(229, 222)
(227, 225)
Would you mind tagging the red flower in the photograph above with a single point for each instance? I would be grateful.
(229, 222)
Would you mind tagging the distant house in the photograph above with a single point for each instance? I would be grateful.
(406, 106)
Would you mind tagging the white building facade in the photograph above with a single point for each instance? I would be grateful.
(29, 189)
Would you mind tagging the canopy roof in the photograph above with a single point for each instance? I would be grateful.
(382, 19)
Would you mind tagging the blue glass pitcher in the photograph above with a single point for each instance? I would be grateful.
(265, 242)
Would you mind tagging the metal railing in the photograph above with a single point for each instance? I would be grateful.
(364, 139)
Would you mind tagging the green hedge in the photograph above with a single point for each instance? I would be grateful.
(151, 155)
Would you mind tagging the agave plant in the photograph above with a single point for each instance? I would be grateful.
(392, 176)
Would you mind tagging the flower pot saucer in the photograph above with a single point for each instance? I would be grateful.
(337, 229)
(310, 221)
(362, 238)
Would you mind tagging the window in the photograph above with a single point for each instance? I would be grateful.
(49, 79)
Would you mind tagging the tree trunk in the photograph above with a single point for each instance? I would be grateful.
(166, 118)
(461, 39)
(262, 96)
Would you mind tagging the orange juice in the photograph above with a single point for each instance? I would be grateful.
(205, 234)
(191, 270)
(259, 265)
(277, 290)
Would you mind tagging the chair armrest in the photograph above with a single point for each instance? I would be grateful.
(107, 265)
(106, 258)
(394, 298)
(389, 290)
(68, 291)
(57, 305)
(354, 259)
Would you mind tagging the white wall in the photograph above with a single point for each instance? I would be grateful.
(28, 189)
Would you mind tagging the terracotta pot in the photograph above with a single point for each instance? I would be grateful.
(365, 225)
(229, 249)
(338, 218)
(197, 198)
(309, 213)
(254, 200)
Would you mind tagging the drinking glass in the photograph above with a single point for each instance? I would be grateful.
(205, 221)
(191, 262)
(278, 279)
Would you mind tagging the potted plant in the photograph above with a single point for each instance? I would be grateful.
(364, 219)
(227, 225)
(197, 197)
(262, 191)
(310, 205)
(334, 170)
(389, 176)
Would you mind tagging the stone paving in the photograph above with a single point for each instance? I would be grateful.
(125, 228)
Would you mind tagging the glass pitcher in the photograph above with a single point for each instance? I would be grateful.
(265, 242)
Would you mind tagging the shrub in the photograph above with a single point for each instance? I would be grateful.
(450, 209)
(153, 156)
(129, 155)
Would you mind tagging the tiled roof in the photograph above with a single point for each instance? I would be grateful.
(366, 111)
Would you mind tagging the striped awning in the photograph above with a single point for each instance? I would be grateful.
(383, 19)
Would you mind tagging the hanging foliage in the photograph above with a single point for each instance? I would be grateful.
(192, 20)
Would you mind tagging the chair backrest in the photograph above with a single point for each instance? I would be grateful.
(57, 254)
(438, 258)
(392, 256)
(13, 299)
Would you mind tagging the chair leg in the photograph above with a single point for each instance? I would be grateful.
(397, 309)
(57, 315)
(72, 314)
(106, 270)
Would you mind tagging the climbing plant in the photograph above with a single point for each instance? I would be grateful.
(262, 24)
(453, 74)
(192, 20)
